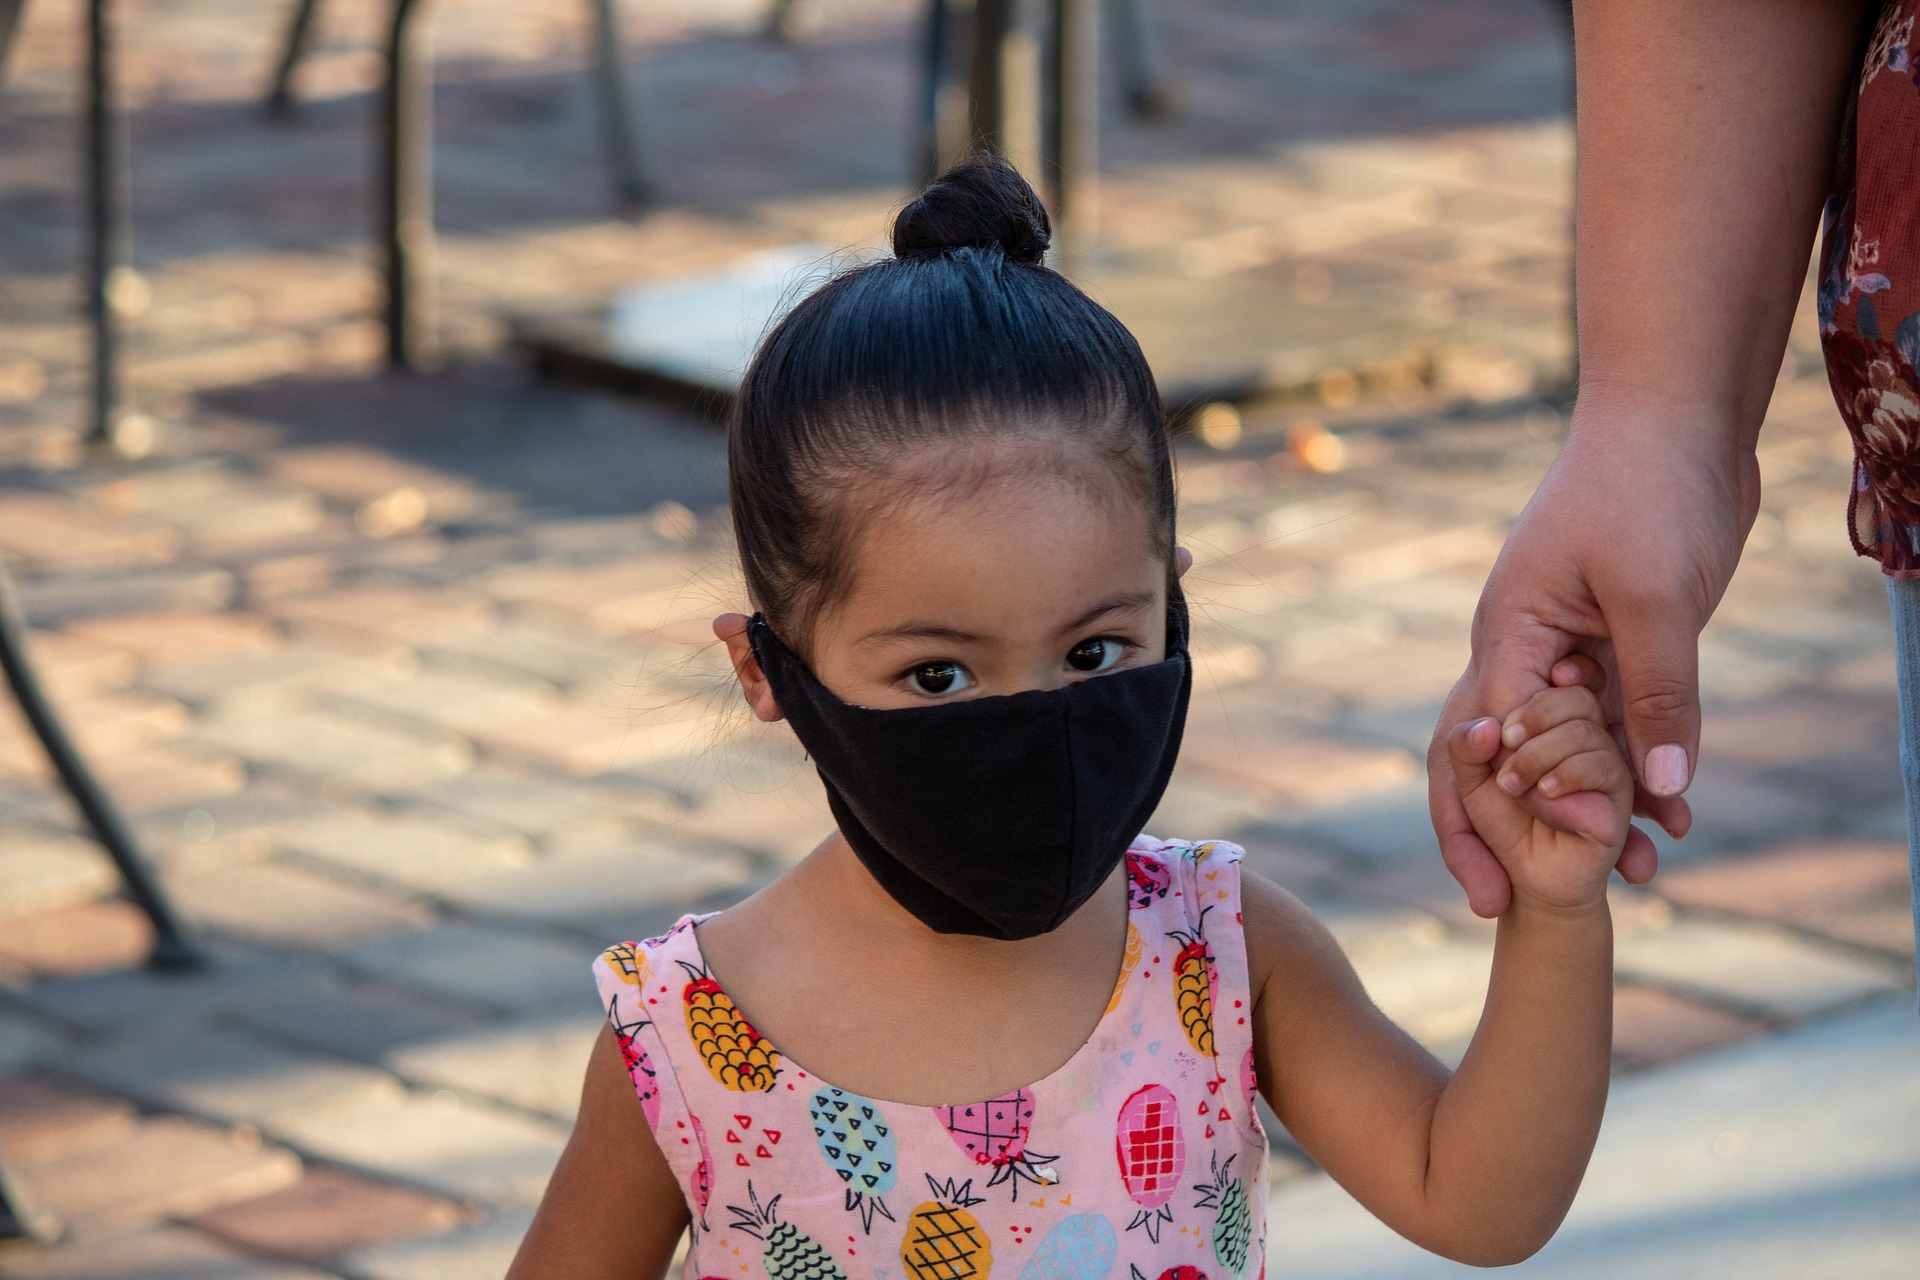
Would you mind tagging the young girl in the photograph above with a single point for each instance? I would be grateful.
(987, 1027)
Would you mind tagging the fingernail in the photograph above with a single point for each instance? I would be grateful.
(1509, 783)
(1667, 770)
(1550, 786)
(1514, 734)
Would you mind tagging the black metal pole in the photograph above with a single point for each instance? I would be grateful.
(171, 947)
(619, 122)
(280, 100)
(405, 186)
(106, 221)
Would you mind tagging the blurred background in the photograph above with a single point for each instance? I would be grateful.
(384, 627)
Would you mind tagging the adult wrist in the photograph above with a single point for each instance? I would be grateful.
(1618, 428)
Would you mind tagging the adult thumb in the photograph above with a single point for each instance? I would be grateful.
(1657, 653)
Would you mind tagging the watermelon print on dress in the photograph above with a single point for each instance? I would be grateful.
(1133, 1159)
(1152, 1152)
(1175, 1273)
(1147, 881)
(859, 1145)
(994, 1133)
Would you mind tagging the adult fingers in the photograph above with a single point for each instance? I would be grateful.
(1638, 858)
(1657, 651)
(1673, 813)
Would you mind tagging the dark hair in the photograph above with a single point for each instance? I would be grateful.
(963, 335)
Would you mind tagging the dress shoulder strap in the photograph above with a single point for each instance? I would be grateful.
(641, 988)
(1198, 919)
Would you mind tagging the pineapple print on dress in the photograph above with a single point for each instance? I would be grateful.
(1196, 983)
(1226, 1195)
(787, 1252)
(858, 1144)
(1152, 1150)
(994, 1133)
(1082, 1247)
(737, 1055)
(942, 1240)
(629, 964)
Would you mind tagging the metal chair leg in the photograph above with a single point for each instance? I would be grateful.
(107, 234)
(171, 947)
(20, 1218)
(1138, 49)
(779, 24)
(619, 122)
(281, 103)
(1004, 81)
(405, 187)
(1073, 117)
(9, 24)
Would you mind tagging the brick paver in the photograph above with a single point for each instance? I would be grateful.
(327, 1213)
(406, 686)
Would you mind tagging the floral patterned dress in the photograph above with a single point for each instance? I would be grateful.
(1141, 1158)
(1869, 293)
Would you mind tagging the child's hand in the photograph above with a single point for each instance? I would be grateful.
(1554, 757)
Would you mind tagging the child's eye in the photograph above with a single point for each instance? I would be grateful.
(939, 677)
(1096, 655)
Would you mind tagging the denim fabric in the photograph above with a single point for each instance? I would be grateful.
(1906, 649)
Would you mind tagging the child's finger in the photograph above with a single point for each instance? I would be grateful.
(1577, 669)
(1471, 747)
(1548, 708)
(1539, 755)
(1600, 769)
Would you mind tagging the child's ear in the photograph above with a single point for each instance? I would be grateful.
(1182, 561)
(731, 629)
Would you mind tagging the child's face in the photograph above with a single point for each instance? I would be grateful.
(1013, 585)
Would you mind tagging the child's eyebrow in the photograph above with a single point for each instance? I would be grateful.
(1112, 604)
(920, 631)
(954, 635)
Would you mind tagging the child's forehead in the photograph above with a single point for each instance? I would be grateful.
(1010, 545)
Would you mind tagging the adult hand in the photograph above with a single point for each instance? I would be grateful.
(1609, 575)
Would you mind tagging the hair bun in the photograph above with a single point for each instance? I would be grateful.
(980, 203)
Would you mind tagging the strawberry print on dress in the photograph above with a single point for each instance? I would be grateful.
(1141, 1156)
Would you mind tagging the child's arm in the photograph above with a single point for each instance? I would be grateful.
(1480, 1166)
(613, 1210)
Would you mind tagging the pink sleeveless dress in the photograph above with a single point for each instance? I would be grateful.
(1141, 1158)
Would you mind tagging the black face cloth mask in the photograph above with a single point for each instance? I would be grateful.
(997, 817)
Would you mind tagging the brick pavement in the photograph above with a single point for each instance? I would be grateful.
(405, 682)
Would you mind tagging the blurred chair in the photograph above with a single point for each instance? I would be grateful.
(405, 179)
(105, 246)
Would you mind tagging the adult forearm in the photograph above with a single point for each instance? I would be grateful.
(1707, 132)
(1512, 1132)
